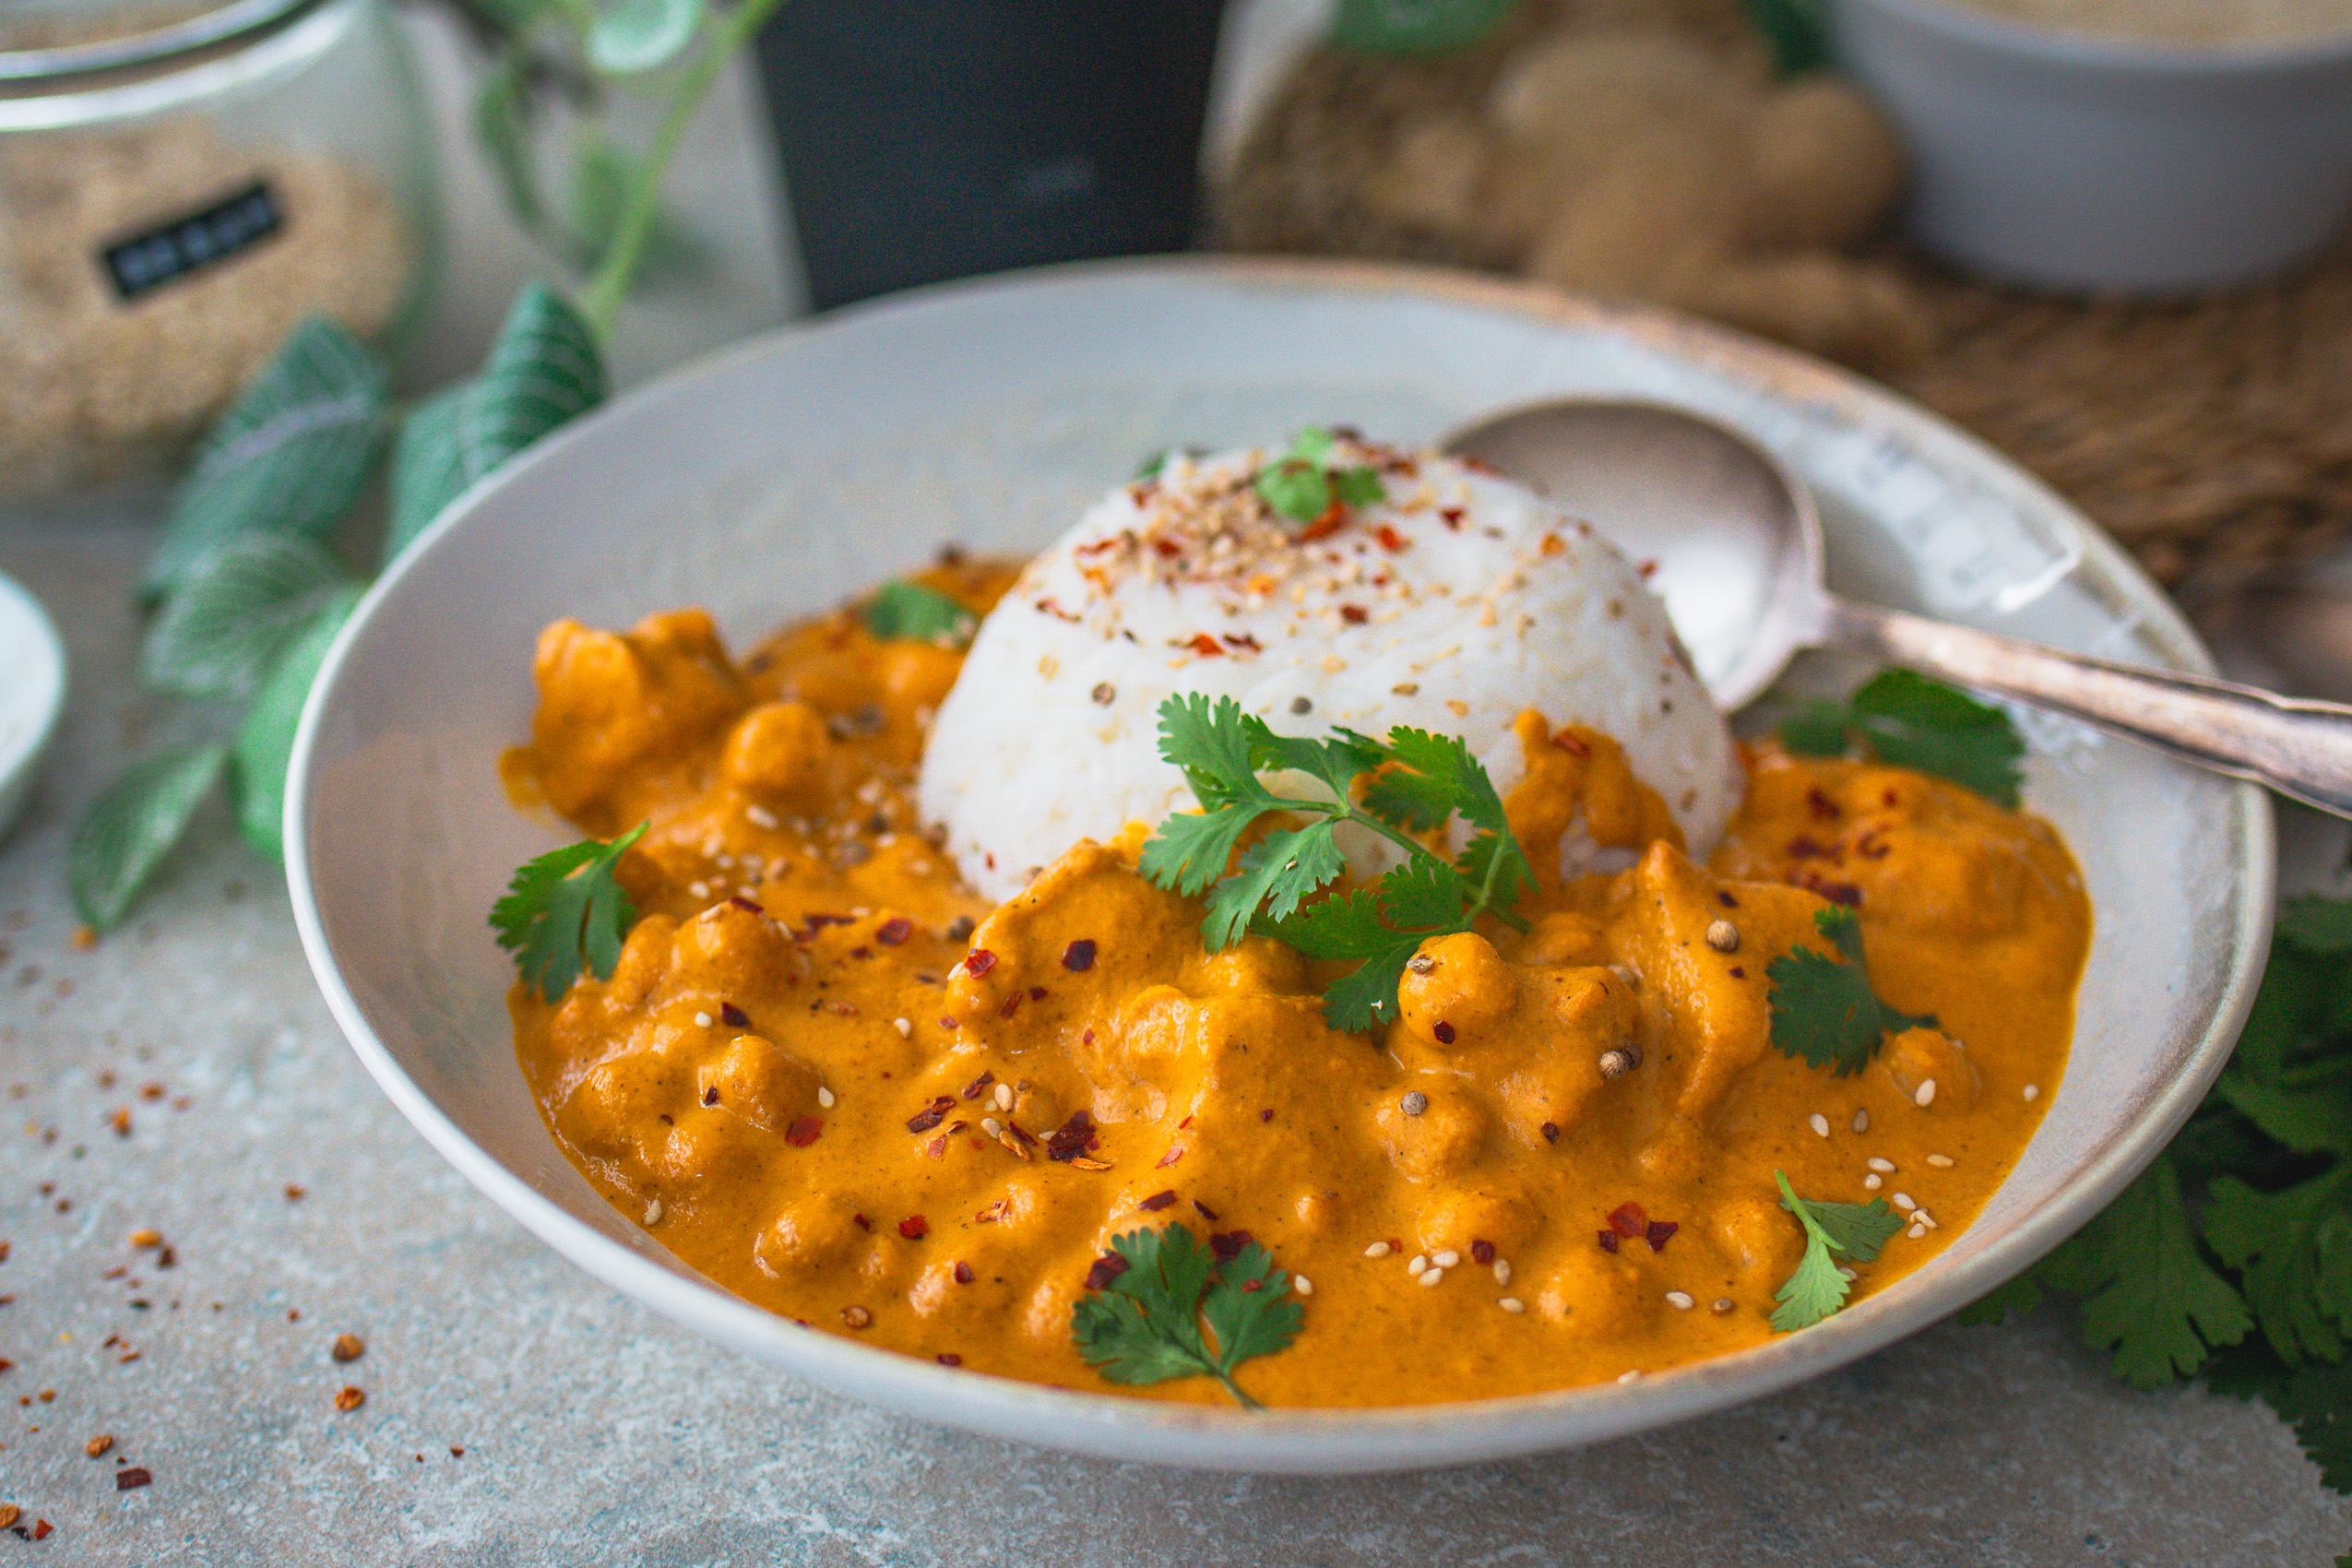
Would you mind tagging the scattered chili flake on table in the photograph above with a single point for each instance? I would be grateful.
(9, 1514)
(132, 1478)
(349, 1397)
(98, 1445)
(349, 1348)
(295, 1193)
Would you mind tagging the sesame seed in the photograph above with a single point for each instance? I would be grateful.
(1819, 1123)
(1302, 1285)
(1446, 1259)
(1847, 1274)
(992, 1127)
(1414, 1102)
(760, 816)
(1861, 1121)
(1723, 936)
(1377, 1249)
(1880, 1164)
(1679, 1300)
(1926, 1095)
(1873, 1182)
(1921, 1216)
(702, 1020)
(1432, 1275)
(824, 1097)
(905, 1026)
(1503, 1271)
(1628, 1375)
(856, 1317)
(1003, 1096)
(1904, 1201)
(1916, 1232)
(2033, 1092)
(1511, 1304)
(1418, 1262)
(699, 889)
(653, 1211)
(1722, 1305)
(1940, 1162)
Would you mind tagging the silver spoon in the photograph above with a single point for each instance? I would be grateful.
(1739, 551)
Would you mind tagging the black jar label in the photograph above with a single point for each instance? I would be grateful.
(192, 241)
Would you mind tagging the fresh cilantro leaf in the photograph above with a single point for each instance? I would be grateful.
(1817, 1288)
(1189, 851)
(2317, 924)
(1144, 1325)
(2019, 1296)
(2152, 1298)
(1274, 875)
(1906, 719)
(2315, 1397)
(910, 612)
(2293, 1250)
(1823, 1009)
(1301, 485)
(1417, 900)
(564, 909)
(2313, 1118)
(1414, 27)
(1366, 994)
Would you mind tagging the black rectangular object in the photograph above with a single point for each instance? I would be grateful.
(927, 139)
(192, 241)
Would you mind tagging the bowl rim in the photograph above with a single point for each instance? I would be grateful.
(39, 692)
(1324, 1440)
(1996, 34)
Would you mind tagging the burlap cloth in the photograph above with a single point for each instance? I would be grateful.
(2214, 437)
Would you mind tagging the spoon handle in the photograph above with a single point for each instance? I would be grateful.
(2300, 748)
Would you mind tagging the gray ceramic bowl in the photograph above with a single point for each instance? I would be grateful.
(777, 478)
(2079, 161)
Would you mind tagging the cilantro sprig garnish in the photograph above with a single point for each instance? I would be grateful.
(1413, 783)
(1819, 1285)
(1904, 718)
(1144, 1325)
(2231, 1255)
(565, 909)
(907, 611)
(1823, 1009)
(1303, 484)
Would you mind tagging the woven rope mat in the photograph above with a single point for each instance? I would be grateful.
(2213, 438)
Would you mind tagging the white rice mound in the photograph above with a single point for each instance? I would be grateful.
(1454, 604)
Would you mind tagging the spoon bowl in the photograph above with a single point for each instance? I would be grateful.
(1733, 545)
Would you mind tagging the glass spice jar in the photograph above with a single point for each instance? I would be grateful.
(182, 182)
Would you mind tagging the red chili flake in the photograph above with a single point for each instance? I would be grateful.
(914, 1228)
(1038, 993)
(1628, 1220)
(132, 1478)
(1354, 614)
(1011, 1005)
(803, 1131)
(710, 1094)
(1244, 641)
(1451, 516)
(1804, 846)
(1573, 745)
(860, 952)
(973, 1089)
(931, 1115)
(1106, 1268)
(1646, 568)
(937, 1147)
(1870, 847)
(894, 931)
(743, 903)
(1390, 539)
(1551, 1132)
(1821, 805)
(1206, 1212)
(949, 1358)
(1847, 893)
(947, 1023)
(1167, 547)
(1071, 1138)
(1334, 518)
(1265, 1115)
(1728, 901)
(1204, 645)
(1170, 1158)
(42, 1529)
(993, 1212)
(818, 921)
(1658, 1232)
(1892, 800)
(962, 1272)
(1079, 957)
(1087, 1038)
(1482, 1251)
(1157, 1201)
(1250, 1285)
(1443, 1031)
(735, 1017)
(1738, 973)
(1228, 1244)
(1184, 1123)
(978, 961)
(1608, 1240)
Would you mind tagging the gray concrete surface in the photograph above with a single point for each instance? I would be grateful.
(594, 1433)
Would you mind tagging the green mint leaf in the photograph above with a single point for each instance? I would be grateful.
(1414, 27)
(1823, 1009)
(1907, 720)
(1817, 1288)
(242, 603)
(1798, 32)
(290, 455)
(2153, 1298)
(543, 370)
(2316, 924)
(129, 830)
(264, 743)
(908, 611)
(1298, 490)
(565, 908)
(1249, 1310)
(2293, 1251)
(629, 36)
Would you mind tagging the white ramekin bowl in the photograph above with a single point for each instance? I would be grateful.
(2075, 161)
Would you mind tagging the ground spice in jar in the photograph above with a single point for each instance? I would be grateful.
(95, 385)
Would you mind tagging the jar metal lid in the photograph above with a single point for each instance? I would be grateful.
(137, 33)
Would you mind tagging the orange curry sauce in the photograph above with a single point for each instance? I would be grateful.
(840, 1084)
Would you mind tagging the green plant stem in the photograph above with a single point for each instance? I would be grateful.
(1346, 810)
(602, 300)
